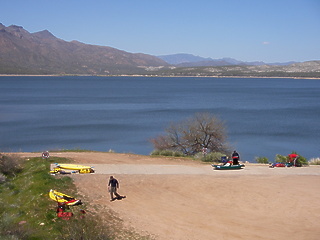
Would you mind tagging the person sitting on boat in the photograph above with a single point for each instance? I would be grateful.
(228, 163)
(235, 157)
(224, 159)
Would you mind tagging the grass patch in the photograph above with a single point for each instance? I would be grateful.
(27, 212)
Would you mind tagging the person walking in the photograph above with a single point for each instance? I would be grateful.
(113, 186)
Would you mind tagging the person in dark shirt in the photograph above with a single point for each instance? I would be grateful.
(113, 186)
(235, 158)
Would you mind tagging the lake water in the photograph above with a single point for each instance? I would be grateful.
(264, 117)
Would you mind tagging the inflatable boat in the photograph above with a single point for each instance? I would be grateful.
(63, 198)
(71, 168)
(228, 167)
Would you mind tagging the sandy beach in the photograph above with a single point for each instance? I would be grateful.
(182, 199)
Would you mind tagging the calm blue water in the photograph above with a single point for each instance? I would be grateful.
(264, 117)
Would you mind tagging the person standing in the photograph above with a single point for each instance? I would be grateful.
(113, 186)
(235, 157)
(293, 157)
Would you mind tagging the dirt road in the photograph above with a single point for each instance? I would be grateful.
(181, 199)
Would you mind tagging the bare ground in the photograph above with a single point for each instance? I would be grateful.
(182, 199)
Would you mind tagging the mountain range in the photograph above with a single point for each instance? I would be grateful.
(41, 53)
(189, 60)
(22, 52)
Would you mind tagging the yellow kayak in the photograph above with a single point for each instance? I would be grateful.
(80, 168)
(63, 198)
(72, 166)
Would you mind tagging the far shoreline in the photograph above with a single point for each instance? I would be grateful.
(154, 76)
(58, 153)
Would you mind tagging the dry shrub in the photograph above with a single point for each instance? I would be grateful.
(314, 161)
(10, 165)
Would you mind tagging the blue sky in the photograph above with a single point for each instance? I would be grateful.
(247, 30)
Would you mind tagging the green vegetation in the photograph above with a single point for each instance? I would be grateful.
(167, 153)
(263, 160)
(280, 158)
(27, 212)
(302, 160)
(210, 157)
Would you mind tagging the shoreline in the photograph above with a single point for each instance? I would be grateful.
(142, 159)
(155, 76)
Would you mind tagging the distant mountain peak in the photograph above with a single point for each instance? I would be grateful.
(15, 30)
(45, 34)
(15, 26)
(180, 58)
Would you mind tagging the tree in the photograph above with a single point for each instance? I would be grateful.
(192, 135)
(263, 160)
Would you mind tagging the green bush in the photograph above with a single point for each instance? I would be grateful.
(198, 156)
(167, 153)
(263, 160)
(213, 157)
(210, 157)
(280, 158)
(303, 160)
